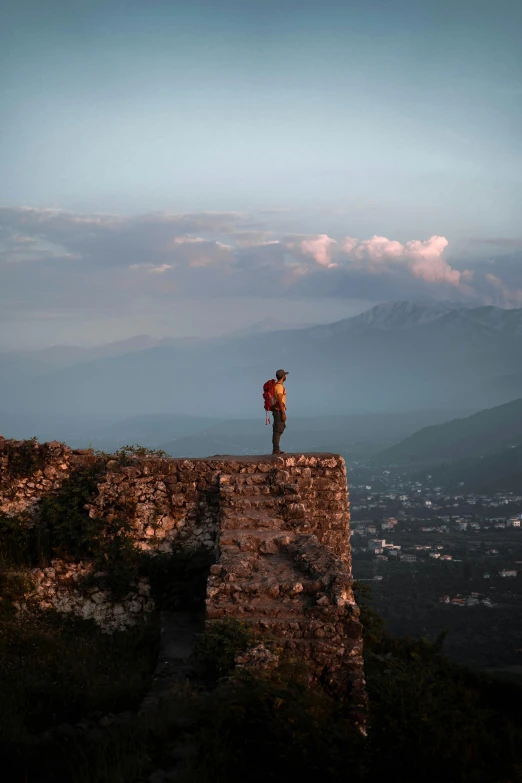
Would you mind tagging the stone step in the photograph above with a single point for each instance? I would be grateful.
(288, 627)
(250, 501)
(251, 497)
(263, 540)
(246, 490)
(265, 599)
(282, 620)
(255, 604)
(252, 521)
(237, 479)
(240, 533)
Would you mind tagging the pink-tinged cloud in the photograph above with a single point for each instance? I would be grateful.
(378, 249)
(349, 244)
(319, 248)
(422, 258)
(430, 248)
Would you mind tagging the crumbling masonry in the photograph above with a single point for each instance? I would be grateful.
(279, 527)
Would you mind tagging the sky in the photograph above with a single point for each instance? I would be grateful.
(187, 168)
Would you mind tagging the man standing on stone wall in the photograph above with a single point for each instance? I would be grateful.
(279, 411)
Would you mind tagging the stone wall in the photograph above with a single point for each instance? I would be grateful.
(176, 501)
(278, 525)
(284, 568)
(29, 471)
(58, 587)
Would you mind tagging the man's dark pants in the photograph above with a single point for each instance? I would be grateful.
(279, 428)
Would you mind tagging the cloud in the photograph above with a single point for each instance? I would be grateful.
(514, 243)
(423, 258)
(319, 247)
(503, 293)
(251, 238)
(100, 260)
(151, 268)
(188, 240)
(349, 244)
(17, 239)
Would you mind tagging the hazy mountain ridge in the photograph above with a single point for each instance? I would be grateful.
(356, 436)
(469, 437)
(192, 436)
(393, 315)
(403, 316)
(41, 360)
(497, 470)
(267, 325)
(341, 368)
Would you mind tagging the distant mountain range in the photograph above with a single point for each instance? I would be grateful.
(40, 361)
(482, 452)
(195, 436)
(356, 437)
(469, 437)
(405, 316)
(267, 325)
(498, 470)
(395, 358)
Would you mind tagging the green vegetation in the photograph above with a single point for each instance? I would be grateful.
(274, 727)
(126, 454)
(28, 457)
(428, 719)
(64, 528)
(56, 669)
(217, 649)
(64, 525)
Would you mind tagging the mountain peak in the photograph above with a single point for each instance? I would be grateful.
(389, 316)
(404, 315)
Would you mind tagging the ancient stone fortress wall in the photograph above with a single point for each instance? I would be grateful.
(278, 525)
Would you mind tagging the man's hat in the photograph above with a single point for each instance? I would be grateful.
(281, 374)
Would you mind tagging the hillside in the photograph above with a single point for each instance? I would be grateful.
(399, 357)
(497, 471)
(468, 437)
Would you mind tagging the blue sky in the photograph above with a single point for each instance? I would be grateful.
(398, 119)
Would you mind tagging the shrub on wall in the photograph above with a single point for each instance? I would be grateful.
(217, 648)
(26, 458)
(64, 522)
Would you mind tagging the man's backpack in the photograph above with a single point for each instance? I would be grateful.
(269, 394)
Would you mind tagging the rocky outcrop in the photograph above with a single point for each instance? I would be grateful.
(278, 525)
(290, 587)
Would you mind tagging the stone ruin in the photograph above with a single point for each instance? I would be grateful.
(278, 526)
